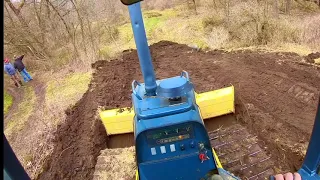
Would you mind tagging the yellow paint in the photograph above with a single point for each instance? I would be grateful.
(117, 122)
(218, 163)
(211, 104)
(216, 103)
(137, 174)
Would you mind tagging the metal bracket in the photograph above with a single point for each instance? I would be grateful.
(185, 74)
(134, 83)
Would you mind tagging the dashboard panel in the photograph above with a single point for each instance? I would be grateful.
(170, 134)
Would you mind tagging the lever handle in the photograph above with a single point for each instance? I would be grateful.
(185, 74)
(134, 83)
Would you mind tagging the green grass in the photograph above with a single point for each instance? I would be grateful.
(7, 102)
(160, 25)
(167, 26)
(23, 112)
(104, 52)
(66, 91)
(182, 30)
(210, 30)
(153, 20)
(284, 47)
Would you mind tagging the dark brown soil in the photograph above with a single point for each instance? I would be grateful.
(276, 99)
(312, 56)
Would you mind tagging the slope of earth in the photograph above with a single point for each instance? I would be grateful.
(276, 99)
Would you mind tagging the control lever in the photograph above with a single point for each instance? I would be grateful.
(203, 153)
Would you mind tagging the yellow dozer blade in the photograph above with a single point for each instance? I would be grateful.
(211, 104)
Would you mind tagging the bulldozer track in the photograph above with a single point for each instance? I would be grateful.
(239, 153)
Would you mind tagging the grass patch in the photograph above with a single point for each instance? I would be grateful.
(285, 47)
(68, 90)
(182, 30)
(24, 110)
(28, 158)
(7, 102)
(153, 20)
(249, 25)
(104, 52)
(302, 50)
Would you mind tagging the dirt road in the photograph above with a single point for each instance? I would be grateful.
(17, 95)
(276, 99)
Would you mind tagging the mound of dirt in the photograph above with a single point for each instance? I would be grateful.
(78, 140)
(276, 100)
(116, 164)
(312, 56)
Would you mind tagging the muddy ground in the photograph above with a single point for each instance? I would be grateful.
(276, 99)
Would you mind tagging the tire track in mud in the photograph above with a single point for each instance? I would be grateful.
(17, 95)
(25, 141)
(281, 115)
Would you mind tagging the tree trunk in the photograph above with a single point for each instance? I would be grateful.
(195, 6)
(9, 15)
(214, 4)
(288, 6)
(76, 53)
(93, 44)
(276, 8)
(40, 23)
(17, 12)
(227, 11)
(81, 26)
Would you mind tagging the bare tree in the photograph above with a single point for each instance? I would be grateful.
(81, 26)
(288, 6)
(276, 8)
(17, 12)
(67, 28)
(40, 22)
(195, 6)
(227, 10)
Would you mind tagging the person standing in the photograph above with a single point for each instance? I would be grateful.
(10, 70)
(18, 64)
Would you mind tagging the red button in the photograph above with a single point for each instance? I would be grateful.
(202, 156)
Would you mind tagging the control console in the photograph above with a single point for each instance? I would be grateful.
(171, 140)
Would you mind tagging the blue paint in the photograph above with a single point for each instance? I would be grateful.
(160, 106)
(174, 87)
(159, 113)
(225, 174)
(143, 49)
(311, 164)
(11, 166)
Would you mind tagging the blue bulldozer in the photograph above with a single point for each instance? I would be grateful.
(167, 119)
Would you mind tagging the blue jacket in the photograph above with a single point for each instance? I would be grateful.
(9, 69)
